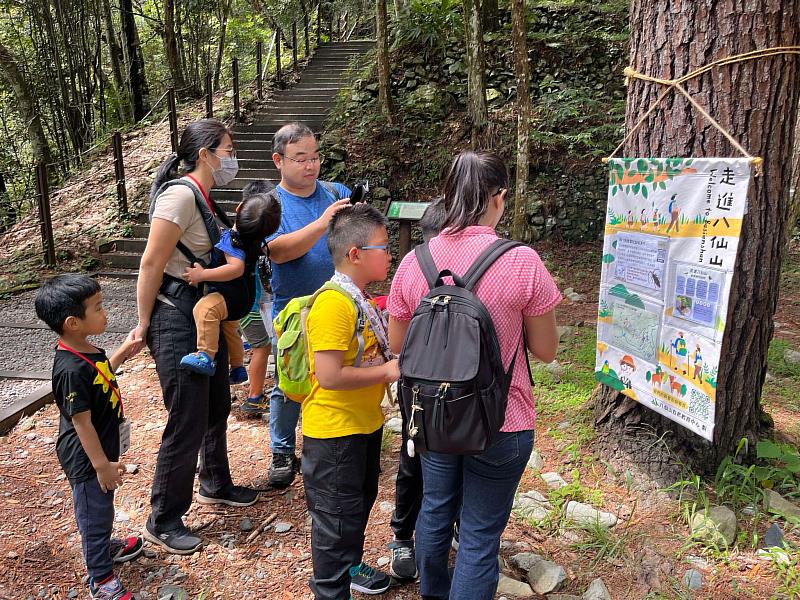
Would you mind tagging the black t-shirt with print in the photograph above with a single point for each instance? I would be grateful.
(78, 387)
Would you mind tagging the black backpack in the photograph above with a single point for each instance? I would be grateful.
(453, 387)
(239, 293)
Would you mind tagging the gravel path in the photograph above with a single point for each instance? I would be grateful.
(12, 390)
(32, 349)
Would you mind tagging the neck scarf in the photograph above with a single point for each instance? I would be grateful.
(377, 322)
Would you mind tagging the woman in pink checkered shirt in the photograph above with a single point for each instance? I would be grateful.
(517, 290)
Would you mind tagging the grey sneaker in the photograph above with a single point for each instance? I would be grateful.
(282, 470)
(175, 541)
(367, 580)
(404, 562)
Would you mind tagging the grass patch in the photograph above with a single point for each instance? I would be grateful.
(777, 365)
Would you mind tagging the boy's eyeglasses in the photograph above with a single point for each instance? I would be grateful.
(302, 161)
(384, 247)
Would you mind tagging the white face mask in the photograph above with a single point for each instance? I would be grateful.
(227, 170)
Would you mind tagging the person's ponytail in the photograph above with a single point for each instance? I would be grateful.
(167, 171)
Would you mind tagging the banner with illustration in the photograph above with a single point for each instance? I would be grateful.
(671, 235)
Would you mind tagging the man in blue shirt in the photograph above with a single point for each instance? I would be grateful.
(301, 263)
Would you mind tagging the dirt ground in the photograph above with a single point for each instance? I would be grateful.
(40, 548)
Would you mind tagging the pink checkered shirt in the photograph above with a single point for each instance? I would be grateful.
(516, 285)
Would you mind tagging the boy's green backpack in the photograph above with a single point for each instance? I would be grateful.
(292, 363)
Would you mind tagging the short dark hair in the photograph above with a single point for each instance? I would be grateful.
(353, 226)
(258, 216)
(260, 186)
(432, 219)
(63, 296)
(473, 179)
(291, 133)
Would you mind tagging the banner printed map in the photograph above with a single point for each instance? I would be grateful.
(671, 235)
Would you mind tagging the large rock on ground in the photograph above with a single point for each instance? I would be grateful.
(597, 591)
(716, 527)
(546, 576)
(588, 516)
(776, 503)
(511, 587)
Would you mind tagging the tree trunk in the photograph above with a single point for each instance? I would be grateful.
(384, 80)
(171, 46)
(134, 61)
(399, 7)
(117, 63)
(490, 15)
(757, 102)
(522, 70)
(26, 105)
(476, 69)
(225, 8)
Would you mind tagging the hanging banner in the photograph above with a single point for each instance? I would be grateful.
(671, 235)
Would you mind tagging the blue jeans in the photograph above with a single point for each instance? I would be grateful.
(489, 482)
(283, 416)
(94, 513)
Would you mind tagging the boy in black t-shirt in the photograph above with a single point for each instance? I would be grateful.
(92, 425)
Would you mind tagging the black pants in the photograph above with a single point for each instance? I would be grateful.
(94, 513)
(408, 492)
(198, 408)
(341, 483)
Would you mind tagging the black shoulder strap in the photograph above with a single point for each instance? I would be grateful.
(426, 264)
(328, 185)
(208, 217)
(486, 259)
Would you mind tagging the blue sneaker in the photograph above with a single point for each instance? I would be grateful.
(367, 580)
(199, 362)
(254, 406)
(238, 375)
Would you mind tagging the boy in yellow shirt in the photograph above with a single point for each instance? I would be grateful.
(350, 363)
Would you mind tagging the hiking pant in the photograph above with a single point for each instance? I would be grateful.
(340, 476)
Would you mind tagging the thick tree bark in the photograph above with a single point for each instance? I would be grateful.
(522, 70)
(26, 105)
(134, 61)
(384, 81)
(757, 102)
(476, 69)
(171, 46)
(399, 7)
(117, 63)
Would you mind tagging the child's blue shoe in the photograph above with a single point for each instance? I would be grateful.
(199, 362)
(255, 406)
(238, 375)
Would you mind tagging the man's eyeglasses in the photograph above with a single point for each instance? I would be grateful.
(302, 161)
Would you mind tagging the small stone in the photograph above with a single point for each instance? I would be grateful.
(532, 505)
(12, 554)
(30, 437)
(27, 424)
(778, 555)
(553, 480)
(147, 553)
(697, 561)
(152, 366)
(778, 504)
(563, 597)
(535, 462)
(386, 507)
(597, 591)
(774, 537)
(383, 561)
(556, 370)
(245, 524)
(137, 368)
(512, 587)
(576, 297)
(585, 515)
(546, 576)
(172, 592)
(525, 560)
(72, 593)
(693, 579)
(395, 424)
(717, 527)
(131, 469)
(282, 527)
(121, 516)
(47, 440)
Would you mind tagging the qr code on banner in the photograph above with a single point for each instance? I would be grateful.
(700, 405)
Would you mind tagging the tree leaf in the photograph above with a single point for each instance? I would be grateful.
(768, 449)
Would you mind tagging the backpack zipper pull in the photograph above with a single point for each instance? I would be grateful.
(413, 430)
(446, 310)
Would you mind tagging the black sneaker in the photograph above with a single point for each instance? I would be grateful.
(404, 563)
(236, 496)
(175, 541)
(367, 580)
(282, 470)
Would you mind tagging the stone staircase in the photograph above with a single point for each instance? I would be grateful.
(309, 100)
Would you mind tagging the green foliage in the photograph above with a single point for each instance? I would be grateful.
(428, 24)
(605, 544)
(786, 565)
(777, 363)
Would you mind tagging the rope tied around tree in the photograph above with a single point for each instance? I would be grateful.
(675, 84)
